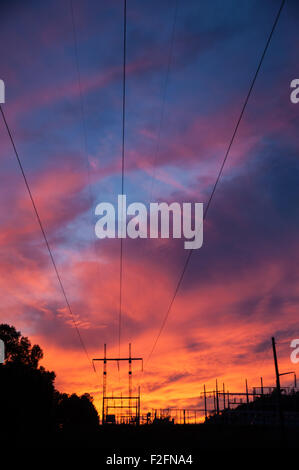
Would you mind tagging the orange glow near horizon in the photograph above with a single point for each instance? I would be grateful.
(241, 288)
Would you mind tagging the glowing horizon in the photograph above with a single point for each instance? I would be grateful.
(240, 288)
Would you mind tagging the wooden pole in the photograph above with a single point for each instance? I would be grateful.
(104, 384)
(247, 396)
(278, 389)
(217, 398)
(205, 400)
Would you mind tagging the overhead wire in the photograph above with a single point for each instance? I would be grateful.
(122, 173)
(45, 237)
(217, 179)
(83, 114)
(164, 93)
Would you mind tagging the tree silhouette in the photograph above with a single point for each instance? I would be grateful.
(27, 391)
(30, 407)
(18, 348)
(76, 413)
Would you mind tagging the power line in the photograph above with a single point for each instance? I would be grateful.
(45, 237)
(218, 177)
(83, 119)
(82, 110)
(122, 173)
(164, 97)
(163, 100)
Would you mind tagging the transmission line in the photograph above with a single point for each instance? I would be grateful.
(217, 179)
(45, 237)
(164, 98)
(122, 174)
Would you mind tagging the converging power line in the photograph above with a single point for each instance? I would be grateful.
(46, 239)
(217, 179)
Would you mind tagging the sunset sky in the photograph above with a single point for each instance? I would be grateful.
(182, 105)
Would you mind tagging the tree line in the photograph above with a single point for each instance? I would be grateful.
(30, 405)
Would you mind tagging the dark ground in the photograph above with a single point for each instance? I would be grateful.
(181, 437)
(257, 447)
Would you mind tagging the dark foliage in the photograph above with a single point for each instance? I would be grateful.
(30, 406)
(262, 410)
(76, 413)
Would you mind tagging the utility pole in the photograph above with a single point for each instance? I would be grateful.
(130, 359)
(104, 382)
(205, 400)
(276, 365)
(278, 389)
(138, 411)
(247, 396)
(217, 397)
(130, 379)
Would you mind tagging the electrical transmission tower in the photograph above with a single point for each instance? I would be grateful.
(120, 402)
